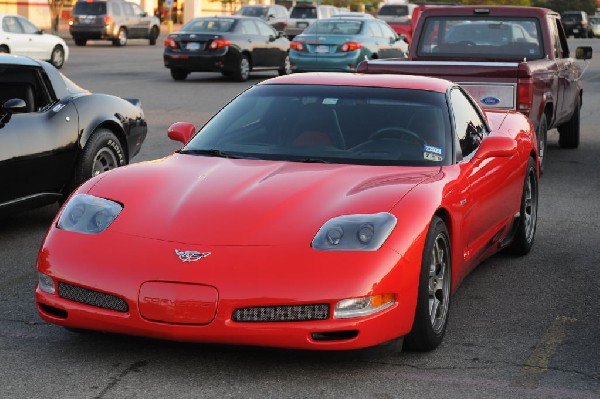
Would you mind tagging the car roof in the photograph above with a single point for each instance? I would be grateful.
(10, 59)
(361, 80)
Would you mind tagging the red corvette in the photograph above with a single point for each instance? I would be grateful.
(315, 211)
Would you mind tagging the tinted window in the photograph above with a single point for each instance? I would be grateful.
(209, 25)
(94, 8)
(335, 27)
(258, 12)
(303, 12)
(394, 10)
(468, 125)
(339, 124)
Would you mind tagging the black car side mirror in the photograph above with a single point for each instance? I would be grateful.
(583, 53)
(14, 105)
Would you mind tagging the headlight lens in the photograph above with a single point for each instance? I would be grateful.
(88, 214)
(357, 307)
(46, 283)
(355, 232)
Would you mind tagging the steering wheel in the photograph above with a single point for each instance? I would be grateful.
(395, 132)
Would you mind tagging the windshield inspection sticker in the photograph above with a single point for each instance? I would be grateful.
(432, 153)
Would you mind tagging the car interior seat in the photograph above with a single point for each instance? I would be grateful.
(24, 91)
(317, 124)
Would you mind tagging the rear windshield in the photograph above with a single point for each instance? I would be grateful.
(304, 12)
(485, 37)
(259, 12)
(209, 25)
(338, 27)
(84, 8)
(394, 10)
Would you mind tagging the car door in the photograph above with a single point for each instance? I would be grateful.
(567, 76)
(394, 48)
(39, 47)
(273, 53)
(14, 37)
(256, 44)
(142, 21)
(38, 149)
(492, 185)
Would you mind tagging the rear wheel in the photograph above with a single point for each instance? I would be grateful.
(242, 71)
(179, 74)
(433, 300)
(527, 223)
(57, 58)
(121, 39)
(569, 132)
(102, 152)
(286, 68)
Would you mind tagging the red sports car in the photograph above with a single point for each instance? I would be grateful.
(315, 211)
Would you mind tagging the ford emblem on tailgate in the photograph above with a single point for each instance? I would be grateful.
(190, 256)
(490, 100)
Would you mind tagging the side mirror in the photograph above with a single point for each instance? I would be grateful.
(271, 16)
(496, 146)
(583, 53)
(14, 105)
(181, 131)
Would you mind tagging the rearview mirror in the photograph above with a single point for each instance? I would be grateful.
(181, 131)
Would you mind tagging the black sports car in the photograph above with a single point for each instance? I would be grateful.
(54, 135)
(233, 45)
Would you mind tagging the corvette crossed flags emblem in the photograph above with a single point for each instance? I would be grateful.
(190, 256)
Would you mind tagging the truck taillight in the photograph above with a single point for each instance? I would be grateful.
(298, 46)
(219, 43)
(524, 94)
(107, 20)
(350, 46)
(170, 43)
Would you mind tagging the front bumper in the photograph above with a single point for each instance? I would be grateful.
(134, 269)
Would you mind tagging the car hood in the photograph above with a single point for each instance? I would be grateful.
(215, 201)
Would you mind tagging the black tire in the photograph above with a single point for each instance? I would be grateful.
(436, 271)
(242, 70)
(80, 42)
(154, 33)
(4, 49)
(286, 68)
(542, 140)
(102, 152)
(179, 74)
(57, 57)
(121, 39)
(569, 132)
(527, 223)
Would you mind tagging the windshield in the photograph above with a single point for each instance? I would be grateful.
(304, 12)
(478, 37)
(335, 27)
(208, 25)
(259, 12)
(394, 10)
(337, 124)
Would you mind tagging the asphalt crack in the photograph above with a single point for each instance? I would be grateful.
(133, 368)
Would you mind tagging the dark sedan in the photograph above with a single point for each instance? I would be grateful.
(54, 135)
(233, 45)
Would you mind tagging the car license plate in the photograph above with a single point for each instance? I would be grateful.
(193, 46)
(302, 25)
(322, 49)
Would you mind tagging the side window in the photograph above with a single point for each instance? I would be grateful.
(265, 30)
(116, 8)
(10, 24)
(469, 127)
(127, 9)
(376, 29)
(249, 28)
(28, 27)
(387, 31)
(560, 40)
(137, 10)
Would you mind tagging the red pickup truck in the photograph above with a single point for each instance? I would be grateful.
(513, 58)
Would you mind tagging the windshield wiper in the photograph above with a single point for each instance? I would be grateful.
(312, 160)
(212, 153)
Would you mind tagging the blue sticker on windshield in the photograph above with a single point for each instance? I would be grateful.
(432, 149)
(432, 153)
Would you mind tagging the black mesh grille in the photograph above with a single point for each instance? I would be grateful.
(93, 298)
(282, 313)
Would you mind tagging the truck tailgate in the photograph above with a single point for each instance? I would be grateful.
(492, 84)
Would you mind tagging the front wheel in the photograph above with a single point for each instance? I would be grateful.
(154, 32)
(527, 222)
(57, 58)
(433, 299)
(243, 69)
(569, 132)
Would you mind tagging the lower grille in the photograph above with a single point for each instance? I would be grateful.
(90, 297)
(282, 313)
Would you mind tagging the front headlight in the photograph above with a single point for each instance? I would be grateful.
(355, 232)
(88, 214)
